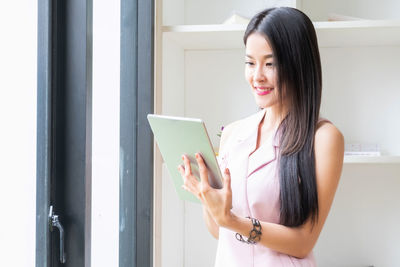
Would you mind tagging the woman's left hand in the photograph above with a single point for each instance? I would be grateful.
(217, 201)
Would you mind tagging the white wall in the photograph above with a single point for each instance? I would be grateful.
(362, 228)
(361, 94)
(208, 79)
(18, 50)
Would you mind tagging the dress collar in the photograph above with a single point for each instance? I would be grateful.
(250, 128)
(265, 153)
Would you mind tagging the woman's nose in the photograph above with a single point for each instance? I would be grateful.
(259, 74)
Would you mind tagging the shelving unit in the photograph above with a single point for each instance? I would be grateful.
(200, 73)
(372, 160)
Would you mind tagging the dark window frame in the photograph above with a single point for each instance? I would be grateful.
(64, 131)
(136, 139)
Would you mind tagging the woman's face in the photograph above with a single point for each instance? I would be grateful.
(260, 71)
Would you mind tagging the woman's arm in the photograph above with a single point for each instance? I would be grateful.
(299, 241)
(212, 226)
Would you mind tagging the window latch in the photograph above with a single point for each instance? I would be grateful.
(55, 222)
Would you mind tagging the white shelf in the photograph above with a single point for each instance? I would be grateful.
(358, 33)
(330, 34)
(218, 36)
(372, 159)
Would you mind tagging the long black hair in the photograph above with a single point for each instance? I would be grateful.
(292, 38)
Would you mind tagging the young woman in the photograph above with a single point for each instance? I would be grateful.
(281, 165)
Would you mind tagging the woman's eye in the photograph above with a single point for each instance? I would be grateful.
(270, 64)
(249, 63)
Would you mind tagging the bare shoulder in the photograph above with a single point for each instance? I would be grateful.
(329, 150)
(327, 136)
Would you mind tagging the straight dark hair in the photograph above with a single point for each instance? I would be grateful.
(292, 38)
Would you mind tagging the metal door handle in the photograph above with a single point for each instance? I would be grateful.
(55, 222)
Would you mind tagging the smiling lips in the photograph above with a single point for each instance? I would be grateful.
(261, 90)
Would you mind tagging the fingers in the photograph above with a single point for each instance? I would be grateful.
(203, 170)
(190, 182)
(227, 179)
(227, 186)
(188, 169)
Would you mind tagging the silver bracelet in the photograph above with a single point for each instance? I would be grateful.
(254, 235)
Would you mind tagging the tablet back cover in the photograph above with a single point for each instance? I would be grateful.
(176, 136)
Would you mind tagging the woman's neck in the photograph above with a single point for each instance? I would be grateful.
(273, 117)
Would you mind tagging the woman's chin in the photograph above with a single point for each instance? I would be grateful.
(263, 103)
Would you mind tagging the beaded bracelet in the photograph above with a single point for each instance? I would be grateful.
(254, 235)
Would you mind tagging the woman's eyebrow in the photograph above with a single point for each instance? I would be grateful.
(265, 57)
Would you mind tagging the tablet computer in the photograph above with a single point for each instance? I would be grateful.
(176, 136)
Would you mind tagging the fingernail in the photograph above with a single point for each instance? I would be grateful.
(183, 157)
(227, 171)
(197, 155)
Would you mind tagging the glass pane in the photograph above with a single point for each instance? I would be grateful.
(18, 53)
(105, 153)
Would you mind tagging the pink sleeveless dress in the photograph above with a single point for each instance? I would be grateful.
(255, 193)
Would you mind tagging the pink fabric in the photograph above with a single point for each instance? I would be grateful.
(255, 191)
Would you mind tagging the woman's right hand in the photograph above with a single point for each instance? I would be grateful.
(218, 202)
